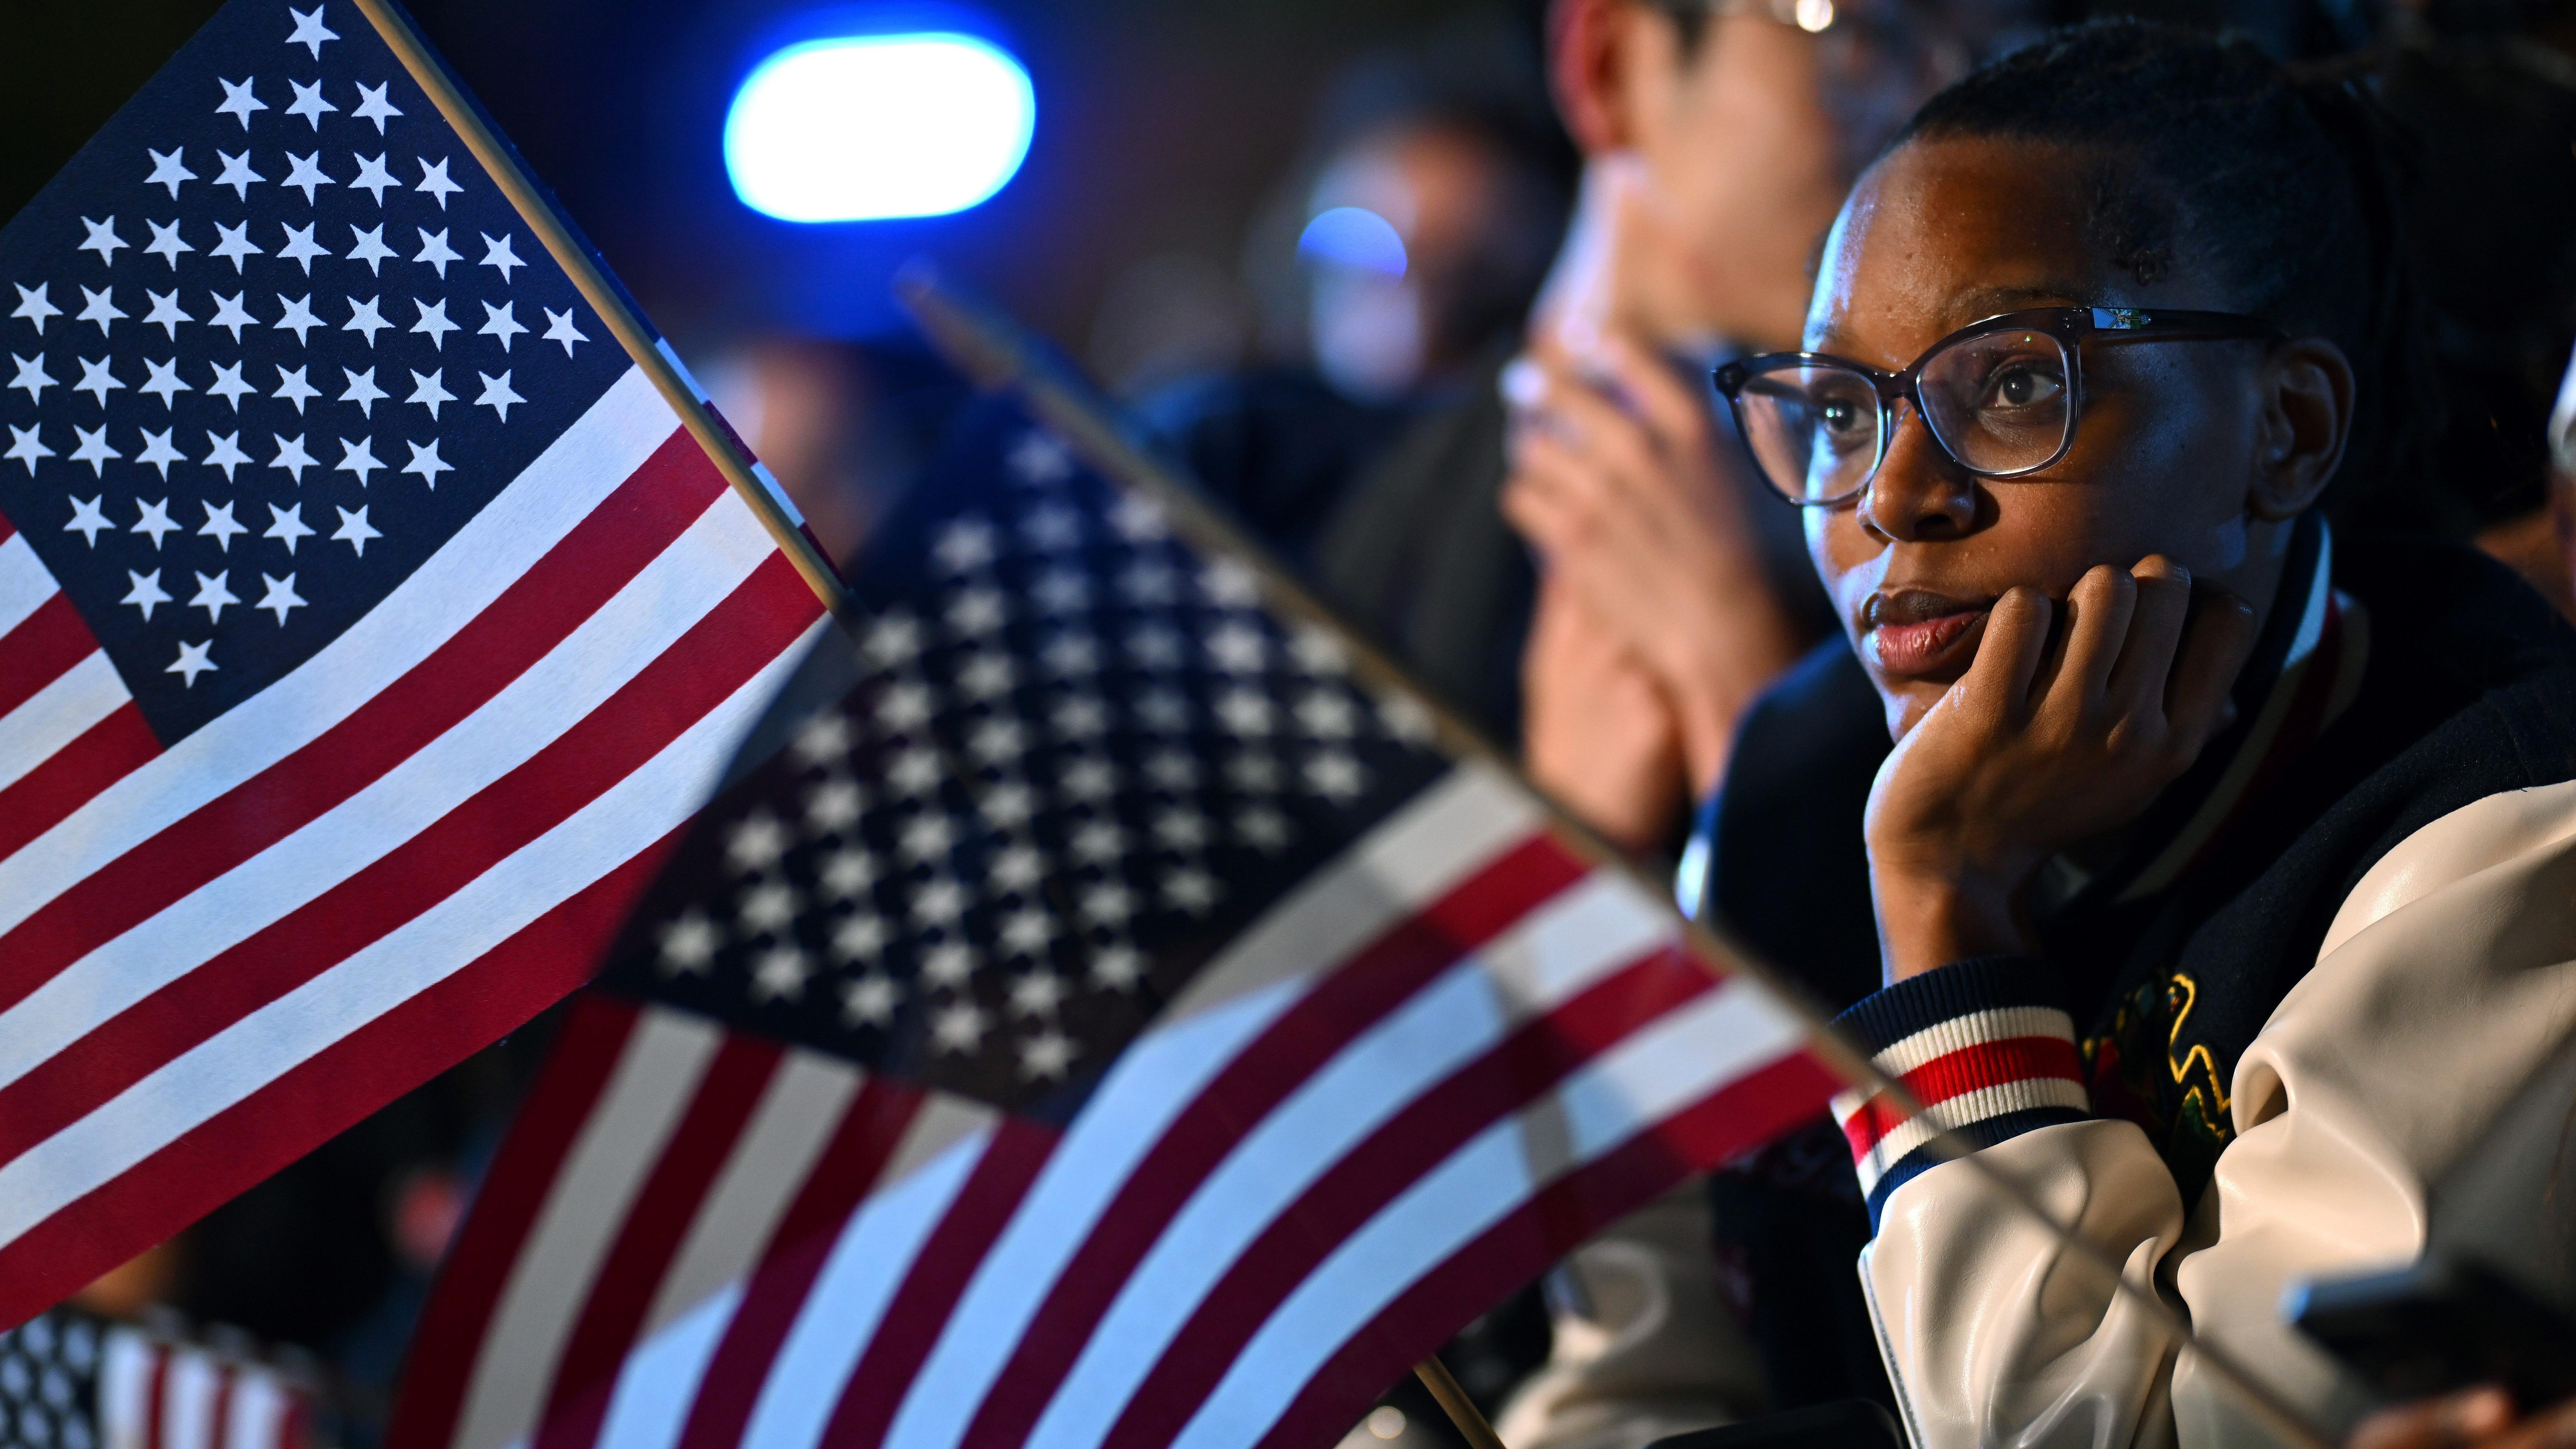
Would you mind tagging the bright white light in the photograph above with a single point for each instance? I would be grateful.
(878, 126)
(1353, 236)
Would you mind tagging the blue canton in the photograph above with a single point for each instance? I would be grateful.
(268, 341)
(1068, 761)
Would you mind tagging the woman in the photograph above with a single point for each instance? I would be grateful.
(2224, 869)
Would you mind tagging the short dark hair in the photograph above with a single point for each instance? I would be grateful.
(1690, 21)
(2216, 159)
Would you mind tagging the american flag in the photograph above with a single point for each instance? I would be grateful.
(73, 1380)
(283, 832)
(1101, 1018)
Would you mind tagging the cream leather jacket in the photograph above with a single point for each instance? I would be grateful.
(2446, 978)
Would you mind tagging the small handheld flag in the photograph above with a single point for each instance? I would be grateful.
(376, 599)
(73, 1380)
(1099, 1014)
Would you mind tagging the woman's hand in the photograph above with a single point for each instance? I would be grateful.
(1597, 732)
(1617, 481)
(2053, 736)
(2481, 1418)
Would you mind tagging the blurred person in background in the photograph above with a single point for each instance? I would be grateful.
(1388, 277)
(841, 424)
(1715, 142)
(2491, 118)
(1432, 226)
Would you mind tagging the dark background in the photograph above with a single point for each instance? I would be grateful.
(1161, 124)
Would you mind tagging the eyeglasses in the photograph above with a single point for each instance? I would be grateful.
(2000, 397)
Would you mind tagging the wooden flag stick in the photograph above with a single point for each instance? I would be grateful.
(998, 354)
(1462, 1411)
(641, 343)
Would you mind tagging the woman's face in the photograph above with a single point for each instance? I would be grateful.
(2166, 453)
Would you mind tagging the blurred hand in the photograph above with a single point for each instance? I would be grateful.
(1617, 482)
(2481, 1418)
(2053, 736)
(1596, 730)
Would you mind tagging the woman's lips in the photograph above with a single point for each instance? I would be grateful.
(1914, 634)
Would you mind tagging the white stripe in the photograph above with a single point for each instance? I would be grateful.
(1564, 946)
(188, 1400)
(425, 950)
(774, 1154)
(556, 492)
(1975, 1028)
(666, 1375)
(1440, 838)
(24, 582)
(868, 1262)
(798, 1112)
(661, 1375)
(647, 1094)
(662, 602)
(1456, 826)
(125, 1388)
(257, 1417)
(1158, 1075)
(1670, 1065)
(1963, 1110)
(57, 714)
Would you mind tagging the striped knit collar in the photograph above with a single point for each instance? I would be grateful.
(2304, 674)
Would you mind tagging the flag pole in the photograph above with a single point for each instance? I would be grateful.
(771, 506)
(1462, 1411)
(995, 353)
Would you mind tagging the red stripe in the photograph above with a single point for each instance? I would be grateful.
(505, 1211)
(222, 1414)
(320, 1097)
(1745, 1113)
(634, 1266)
(1529, 1063)
(568, 585)
(156, 1399)
(1993, 1064)
(707, 664)
(840, 1179)
(40, 648)
(950, 1256)
(1351, 999)
(1971, 1068)
(1865, 1128)
(101, 755)
(6, 528)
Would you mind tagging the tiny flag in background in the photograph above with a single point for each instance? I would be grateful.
(73, 1380)
(368, 621)
(1100, 1018)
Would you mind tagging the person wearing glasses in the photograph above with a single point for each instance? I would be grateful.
(1615, 639)
(1719, 135)
(2223, 869)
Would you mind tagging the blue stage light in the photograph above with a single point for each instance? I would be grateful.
(878, 126)
(1353, 236)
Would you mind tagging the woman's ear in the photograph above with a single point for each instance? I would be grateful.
(1590, 61)
(2307, 418)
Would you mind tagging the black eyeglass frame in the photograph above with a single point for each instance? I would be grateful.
(2071, 326)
